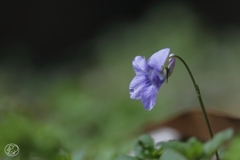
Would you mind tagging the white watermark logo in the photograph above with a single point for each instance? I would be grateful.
(11, 149)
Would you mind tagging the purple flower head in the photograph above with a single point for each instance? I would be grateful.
(150, 75)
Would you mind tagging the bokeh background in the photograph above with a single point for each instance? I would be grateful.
(65, 68)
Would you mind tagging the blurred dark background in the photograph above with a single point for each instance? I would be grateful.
(48, 32)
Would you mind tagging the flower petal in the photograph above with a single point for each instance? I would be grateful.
(140, 65)
(171, 64)
(148, 96)
(158, 59)
(136, 86)
(156, 78)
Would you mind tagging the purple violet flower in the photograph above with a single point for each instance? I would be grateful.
(150, 75)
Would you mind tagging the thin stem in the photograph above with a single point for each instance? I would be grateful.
(199, 97)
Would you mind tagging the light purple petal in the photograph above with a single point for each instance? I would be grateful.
(171, 64)
(148, 96)
(157, 79)
(140, 65)
(136, 86)
(158, 59)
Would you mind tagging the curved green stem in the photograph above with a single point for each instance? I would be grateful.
(199, 97)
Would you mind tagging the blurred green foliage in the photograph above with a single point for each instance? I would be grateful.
(62, 114)
(233, 150)
(145, 148)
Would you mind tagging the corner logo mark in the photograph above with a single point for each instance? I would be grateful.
(11, 149)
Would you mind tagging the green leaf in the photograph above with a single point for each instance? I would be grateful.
(170, 154)
(125, 157)
(138, 150)
(192, 149)
(78, 155)
(211, 146)
(175, 145)
(146, 140)
(232, 153)
(63, 155)
(144, 148)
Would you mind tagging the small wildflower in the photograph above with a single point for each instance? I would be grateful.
(150, 75)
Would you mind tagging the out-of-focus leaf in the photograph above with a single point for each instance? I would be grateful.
(170, 154)
(192, 149)
(144, 147)
(195, 149)
(232, 152)
(138, 151)
(211, 146)
(78, 155)
(178, 146)
(146, 140)
(125, 157)
(63, 155)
